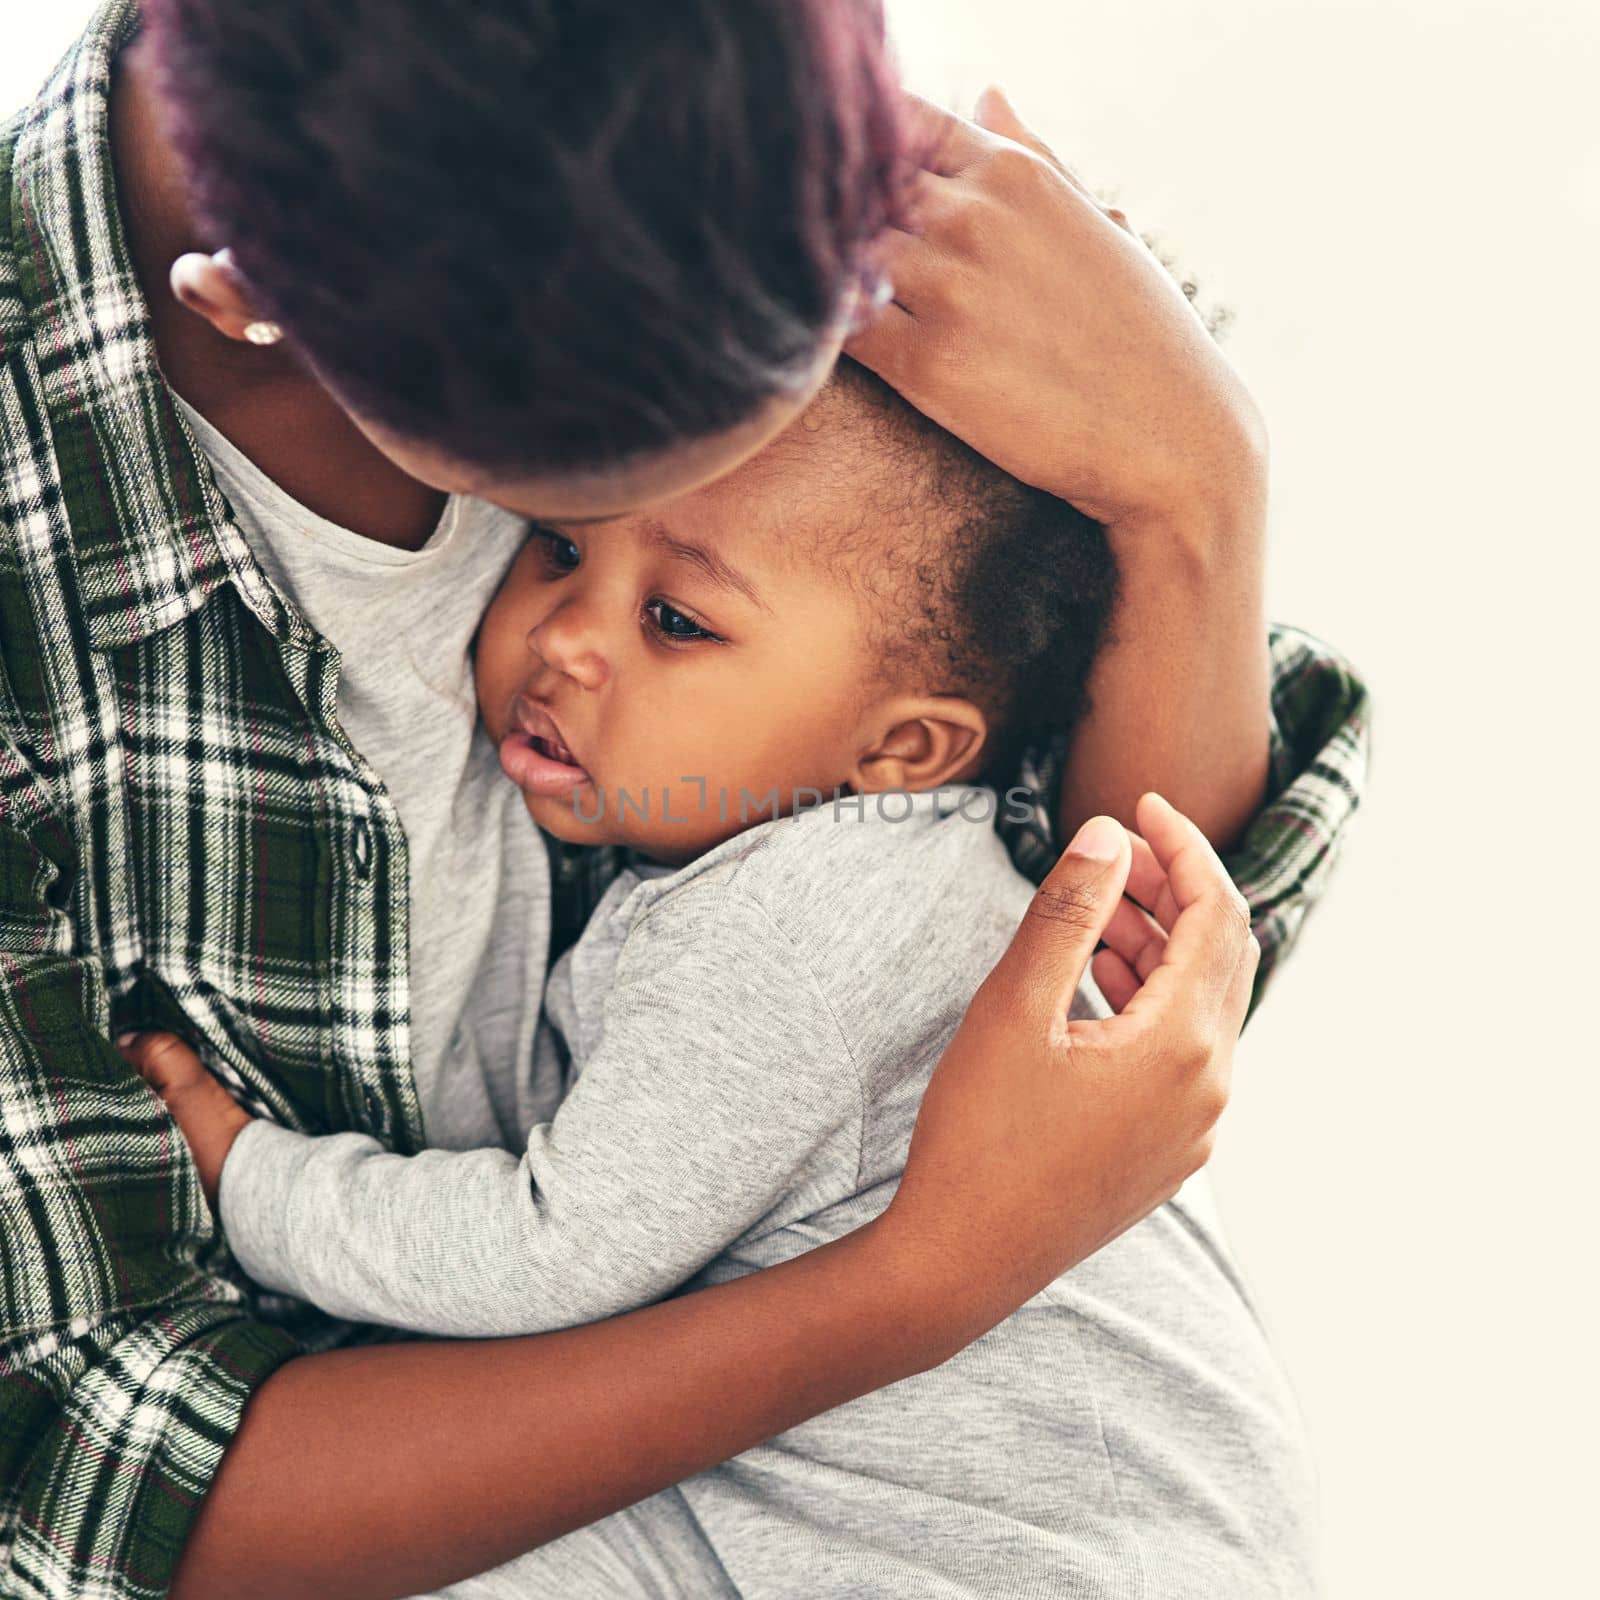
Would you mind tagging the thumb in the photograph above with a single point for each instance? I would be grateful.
(1045, 961)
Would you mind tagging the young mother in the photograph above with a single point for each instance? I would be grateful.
(427, 270)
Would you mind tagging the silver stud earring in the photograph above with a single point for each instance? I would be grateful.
(263, 332)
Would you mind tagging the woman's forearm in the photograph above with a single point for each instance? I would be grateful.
(392, 1469)
(1180, 695)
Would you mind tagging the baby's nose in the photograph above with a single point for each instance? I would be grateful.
(568, 641)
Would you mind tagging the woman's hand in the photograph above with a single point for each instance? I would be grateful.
(1042, 1138)
(1030, 321)
(208, 1117)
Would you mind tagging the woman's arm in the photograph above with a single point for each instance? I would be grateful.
(391, 1470)
(382, 1471)
(1030, 321)
(1187, 663)
(1179, 695)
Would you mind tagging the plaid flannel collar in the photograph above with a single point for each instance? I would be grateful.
(152, 534)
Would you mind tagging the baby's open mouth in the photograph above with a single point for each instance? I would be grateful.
(534, 755)
(554, 750)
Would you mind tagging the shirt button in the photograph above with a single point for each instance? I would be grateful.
(361, 847)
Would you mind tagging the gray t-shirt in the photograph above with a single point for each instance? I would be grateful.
(743, 1046)
(403, 623)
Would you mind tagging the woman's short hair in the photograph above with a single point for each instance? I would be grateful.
(542, 234)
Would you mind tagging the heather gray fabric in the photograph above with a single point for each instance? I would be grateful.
(749, 1040)
(479, 904)
(652, 1551)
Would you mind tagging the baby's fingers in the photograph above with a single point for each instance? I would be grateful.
(163, 1060)
(1149, 885)
(1137, 938)
(1117, 980)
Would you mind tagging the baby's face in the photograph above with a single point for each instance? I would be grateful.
(651, 679)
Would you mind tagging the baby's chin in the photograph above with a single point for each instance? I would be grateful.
(590, 816)
(577, 818)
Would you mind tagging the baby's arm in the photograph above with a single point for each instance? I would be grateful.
(720, 1087)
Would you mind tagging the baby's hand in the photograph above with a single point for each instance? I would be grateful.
(208, 1117)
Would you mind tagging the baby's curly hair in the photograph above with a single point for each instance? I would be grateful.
(980, 586)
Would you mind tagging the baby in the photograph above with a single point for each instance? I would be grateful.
(784, 693)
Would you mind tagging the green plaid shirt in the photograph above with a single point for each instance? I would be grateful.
(187, 839)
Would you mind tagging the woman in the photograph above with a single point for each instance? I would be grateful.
(440, 279)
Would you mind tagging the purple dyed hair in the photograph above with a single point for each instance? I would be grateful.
(542, 234)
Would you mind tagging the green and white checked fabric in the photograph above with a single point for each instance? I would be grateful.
(188, 840)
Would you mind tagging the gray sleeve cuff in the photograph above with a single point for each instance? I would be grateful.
(258, 1181)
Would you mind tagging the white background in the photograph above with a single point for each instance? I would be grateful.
(1400, 203)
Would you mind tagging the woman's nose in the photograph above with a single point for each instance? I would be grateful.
(568, 641)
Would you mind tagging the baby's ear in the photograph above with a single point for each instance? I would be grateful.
(920, 743)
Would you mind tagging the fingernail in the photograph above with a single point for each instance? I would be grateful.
(125, 1039)
(1099, 839)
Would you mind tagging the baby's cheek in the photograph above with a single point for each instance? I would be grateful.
(498, 657)
(487, 700)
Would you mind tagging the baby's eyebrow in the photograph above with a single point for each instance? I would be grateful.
(708, 561)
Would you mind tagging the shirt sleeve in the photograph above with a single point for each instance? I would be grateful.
(1320, 741)
(721, 1099)
(124, 1366)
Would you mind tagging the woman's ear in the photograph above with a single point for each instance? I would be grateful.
(917, 744)
(213, 288)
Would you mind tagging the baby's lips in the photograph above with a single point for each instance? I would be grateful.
(530, 717)
(534, 772)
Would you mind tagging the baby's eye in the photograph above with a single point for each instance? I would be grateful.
(560, 553)
(674, 624)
